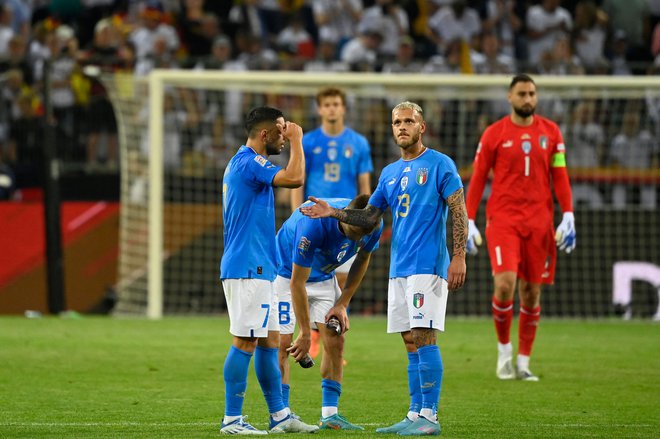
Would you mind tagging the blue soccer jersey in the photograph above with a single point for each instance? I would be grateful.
(416, 191)
(319, 244)
(334, 163)
(248, 211)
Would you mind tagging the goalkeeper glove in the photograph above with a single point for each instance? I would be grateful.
(565, 235)
(474, 238)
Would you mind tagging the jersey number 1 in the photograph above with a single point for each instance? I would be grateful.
(526, 166)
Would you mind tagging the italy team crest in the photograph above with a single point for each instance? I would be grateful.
(543, 141)
(348, 151)
(418, 300)
(422, 176)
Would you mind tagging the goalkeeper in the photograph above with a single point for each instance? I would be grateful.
(308, 252)
(527, 155)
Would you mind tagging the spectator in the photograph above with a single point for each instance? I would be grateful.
(392, 20)
(490, 60)
(258, 57)
(295, 39)
(39, 49)
(404, 62)
(634, 147)
(153, 35)
(585, 136)
(244, 16)
(502, 20)
(560, 60)
(6, 31)
(631, 17)
(199, 35)
(361, 52)
(620, 65)
(64, 56)
(546, 23)
(326, 59)
(456, 22)
(589, 34)
(337, 20)
(17, 60)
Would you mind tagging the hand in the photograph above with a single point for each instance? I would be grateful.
(339, 311)
(319, 210)
(292, 132)
(565, 235)
(456, 272)
(474, 238)
(300, 347)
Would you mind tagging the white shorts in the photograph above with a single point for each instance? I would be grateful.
(321, 296)
(251, 304)
(417, 301)
(346, 266)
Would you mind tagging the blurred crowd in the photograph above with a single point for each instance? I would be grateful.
(572, 37)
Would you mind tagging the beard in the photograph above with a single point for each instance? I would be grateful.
(273, 149)
(524, 112)
(409, 141)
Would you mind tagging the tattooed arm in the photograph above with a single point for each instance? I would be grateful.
(367, 218)
(457, 269)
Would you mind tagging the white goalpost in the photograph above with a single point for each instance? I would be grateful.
(179, 128)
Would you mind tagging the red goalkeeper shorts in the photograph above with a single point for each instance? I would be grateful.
(528, 250)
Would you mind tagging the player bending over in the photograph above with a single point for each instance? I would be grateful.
(309, 251)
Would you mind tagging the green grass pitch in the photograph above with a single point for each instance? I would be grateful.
(116, 378)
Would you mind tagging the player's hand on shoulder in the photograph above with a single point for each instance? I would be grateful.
(474, 238)
(565, 236)
(320, 208)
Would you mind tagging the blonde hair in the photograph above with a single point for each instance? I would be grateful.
(407, 105)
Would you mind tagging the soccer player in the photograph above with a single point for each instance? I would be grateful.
(419, 189)
(248, 267)
(527, 155)
(309, 251)
(337, 164)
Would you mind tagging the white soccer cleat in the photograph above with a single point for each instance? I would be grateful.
(240, 426)
(505, 369)
(291, 424)
(527, 375)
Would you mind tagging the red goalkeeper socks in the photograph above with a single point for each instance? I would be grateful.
(529, 321)
(502, 316)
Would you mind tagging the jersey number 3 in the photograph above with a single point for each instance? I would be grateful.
(404, 205)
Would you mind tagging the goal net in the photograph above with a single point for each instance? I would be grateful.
(178, 129)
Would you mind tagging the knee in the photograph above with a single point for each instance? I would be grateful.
(504, 288)
(334, 345)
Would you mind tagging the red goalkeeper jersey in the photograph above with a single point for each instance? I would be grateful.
(525, 160)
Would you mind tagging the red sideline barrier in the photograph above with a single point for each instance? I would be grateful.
(22, 232)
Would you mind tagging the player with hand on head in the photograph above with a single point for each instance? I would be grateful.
(248, 267)
(309, 251)
(419, 188)
(337, 164)
(527, 155)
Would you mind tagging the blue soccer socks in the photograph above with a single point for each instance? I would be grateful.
(235, 375)
(413, 383)
(286, 391)
(330, 393)
(430, 376)
(270, 378)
